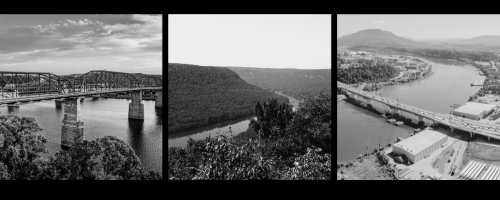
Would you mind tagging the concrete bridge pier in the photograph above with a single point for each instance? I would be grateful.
(488, 138)
(72, 127)
(59, 102)
(159, 99)
(136, 108)
(95, 96)
(452, 129)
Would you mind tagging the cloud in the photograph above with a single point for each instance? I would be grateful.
(73, 33)
(137, 42)
(379, 22)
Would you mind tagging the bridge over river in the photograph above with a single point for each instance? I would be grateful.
(19, 87)
(467, 125)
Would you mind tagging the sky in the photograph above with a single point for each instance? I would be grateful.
(422, 26)
(263, 41)
(74, 44)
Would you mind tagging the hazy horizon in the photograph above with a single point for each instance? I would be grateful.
(260, 41)
(75, 44)
(422, 27)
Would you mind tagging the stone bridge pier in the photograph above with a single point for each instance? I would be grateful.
(136, 108)
(72, 127)
(159, 99)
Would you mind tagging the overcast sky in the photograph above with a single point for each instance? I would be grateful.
(422, 26)
(67, 44)
(264, 41)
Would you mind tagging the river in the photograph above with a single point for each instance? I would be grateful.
(449, 84)
(237, 126)
(103, 117)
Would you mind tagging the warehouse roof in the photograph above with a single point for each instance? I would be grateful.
(420, 141)
(474, 108)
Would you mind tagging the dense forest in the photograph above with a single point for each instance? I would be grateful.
(24, 156)
(450, 54)
(280, 144)
(381, 72)
(297, 83)
(200, 96)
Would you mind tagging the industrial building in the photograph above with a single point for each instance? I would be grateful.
(473, 110)
(418, 146)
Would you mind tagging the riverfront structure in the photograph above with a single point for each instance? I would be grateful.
(473, 110)
(418, 146)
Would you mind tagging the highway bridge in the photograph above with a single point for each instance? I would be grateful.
(18, 87)
(454, 122)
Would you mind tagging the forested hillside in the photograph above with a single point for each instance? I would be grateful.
(382, 72)
(449, 54)
(201, 95)
(297, 83)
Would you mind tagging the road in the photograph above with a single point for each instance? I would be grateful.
(467, 125)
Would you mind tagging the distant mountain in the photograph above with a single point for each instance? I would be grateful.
(201, 95)
(293, 82)
(376, 38)
(488, 40)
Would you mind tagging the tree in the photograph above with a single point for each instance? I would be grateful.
(20, 145)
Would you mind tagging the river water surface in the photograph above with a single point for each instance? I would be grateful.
(237, 126)
(103, 117)
(449, 84)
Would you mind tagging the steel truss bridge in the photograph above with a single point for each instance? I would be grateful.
(27, 86)
(464, 124)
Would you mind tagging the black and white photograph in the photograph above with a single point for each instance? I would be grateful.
(418, 97)
(81, 97)
(249, 96)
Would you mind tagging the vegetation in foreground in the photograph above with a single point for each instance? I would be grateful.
(370, 166)
(23, 156)
(290, 145)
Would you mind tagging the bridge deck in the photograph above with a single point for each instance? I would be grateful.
(464, 124)
(67, 95)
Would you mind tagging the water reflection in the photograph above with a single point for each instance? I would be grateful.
(159, 118)
(135, 134)
(13, 110)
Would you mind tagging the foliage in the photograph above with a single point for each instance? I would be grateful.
(200, 96)
(297, 83)
(372, 87)
(20, 145)
(382, 72)
(451, 54)
(282, 151)
(21, 150)
(311, 166)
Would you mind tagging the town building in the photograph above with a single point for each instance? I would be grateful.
(420, 145)
(474, 111)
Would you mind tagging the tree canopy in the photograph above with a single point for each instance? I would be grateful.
(381, 72)
(292, 145)
(23, 156)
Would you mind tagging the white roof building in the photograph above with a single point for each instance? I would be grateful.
(421, 144)
(473, 110)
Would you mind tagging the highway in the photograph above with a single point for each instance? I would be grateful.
(468, 125)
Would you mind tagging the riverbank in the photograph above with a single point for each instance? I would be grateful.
(370, 166)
